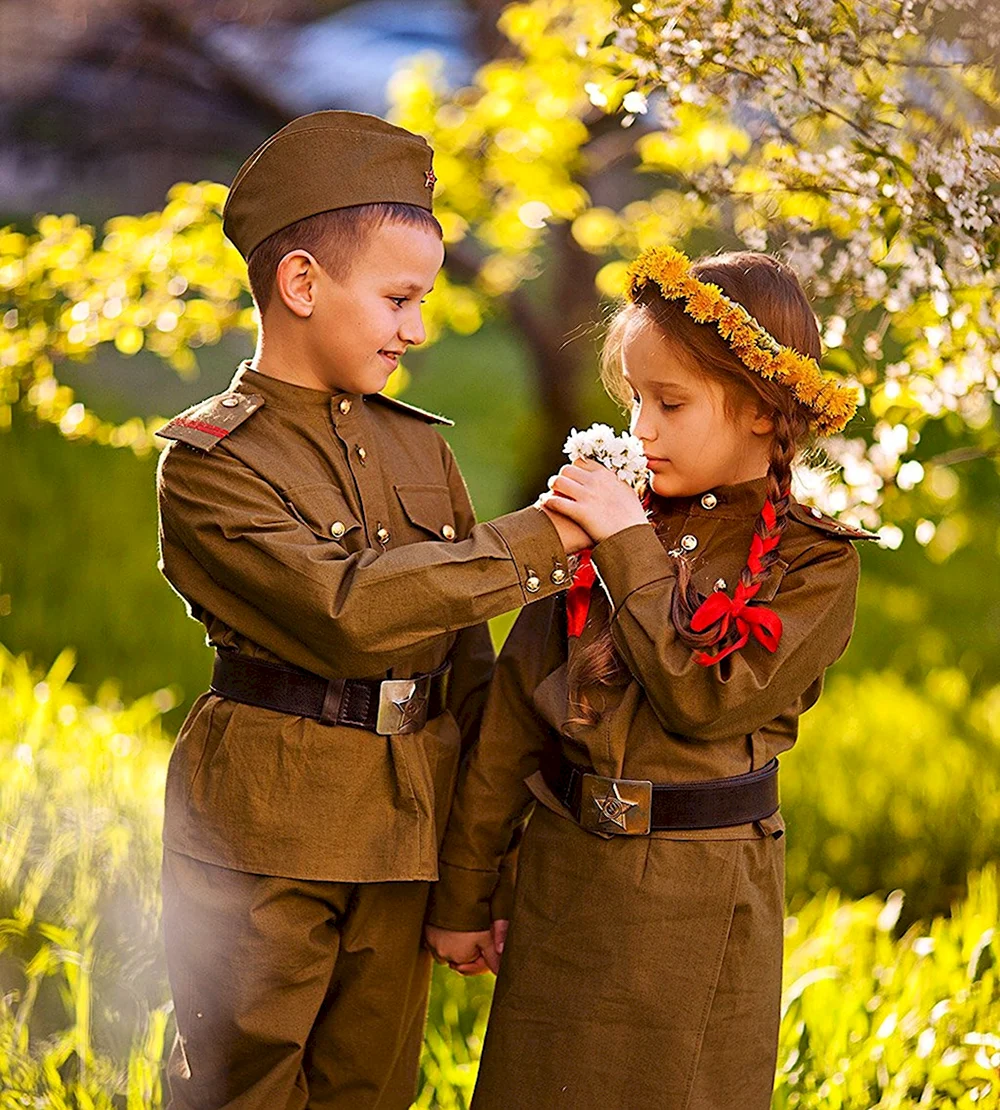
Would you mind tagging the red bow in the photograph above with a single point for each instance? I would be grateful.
(718, 608)
(764, 624)
(578, 595)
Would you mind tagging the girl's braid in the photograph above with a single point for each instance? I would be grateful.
(768, 528)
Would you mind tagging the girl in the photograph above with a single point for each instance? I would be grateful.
(643, 964)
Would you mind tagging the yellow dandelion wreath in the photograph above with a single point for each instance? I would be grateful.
(830, 402)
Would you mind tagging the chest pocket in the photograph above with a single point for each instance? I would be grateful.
(429, 509)
(323, 509)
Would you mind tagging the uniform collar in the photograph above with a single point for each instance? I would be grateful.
(284, 394)
(734, 502)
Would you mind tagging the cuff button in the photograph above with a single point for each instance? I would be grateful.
(558, 576)
(532, 584)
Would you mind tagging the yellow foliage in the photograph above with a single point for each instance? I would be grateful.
(516, 152)
(612, 279)
(698, 141)
(596, 228)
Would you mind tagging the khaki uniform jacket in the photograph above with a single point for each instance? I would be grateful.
(335, 533)
(674, 720)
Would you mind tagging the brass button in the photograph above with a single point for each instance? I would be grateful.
(448, 532)
(382, 535)
(689, 542)
(709, 501)
(558, 576)
(345, 406)
(532, 583)
(362, 453)
(337, 529)
(230, 402)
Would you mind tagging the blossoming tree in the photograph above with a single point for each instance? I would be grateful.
(857, 138)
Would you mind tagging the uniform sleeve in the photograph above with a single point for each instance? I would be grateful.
(492, 800)
(367, 607)
(815, 601)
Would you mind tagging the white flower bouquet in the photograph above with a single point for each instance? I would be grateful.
(623, 454)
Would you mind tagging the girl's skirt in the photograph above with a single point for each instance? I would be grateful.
(638, 974)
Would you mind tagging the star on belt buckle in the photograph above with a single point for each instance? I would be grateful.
(622, 807)
(402, 706)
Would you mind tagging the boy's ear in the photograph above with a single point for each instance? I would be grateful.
(295, 282)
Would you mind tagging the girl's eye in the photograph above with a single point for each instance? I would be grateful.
(668, 408)
(400, 301)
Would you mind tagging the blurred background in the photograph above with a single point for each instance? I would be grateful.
(859, 141)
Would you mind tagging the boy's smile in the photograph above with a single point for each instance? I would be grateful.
(364, 324)
(348, 334)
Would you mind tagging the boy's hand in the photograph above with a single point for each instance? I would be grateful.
(466, 953)
(594, 498)
(573, 537)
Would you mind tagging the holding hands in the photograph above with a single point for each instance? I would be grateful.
(467, 953)
(588, 495)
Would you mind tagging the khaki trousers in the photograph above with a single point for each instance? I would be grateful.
(292, 994)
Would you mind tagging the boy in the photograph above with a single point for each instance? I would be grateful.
(323, 534)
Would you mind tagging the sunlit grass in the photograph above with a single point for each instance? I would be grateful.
(872, 1020)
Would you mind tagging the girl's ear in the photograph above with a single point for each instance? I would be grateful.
(763, 422)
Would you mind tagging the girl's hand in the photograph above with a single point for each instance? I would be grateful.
(466, 953)
(595, 499)
(498, 933)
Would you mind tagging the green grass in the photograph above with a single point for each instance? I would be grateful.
(872, 1020)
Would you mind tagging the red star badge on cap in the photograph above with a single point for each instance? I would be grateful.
(429, 179)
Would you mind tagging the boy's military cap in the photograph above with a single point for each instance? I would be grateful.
(323, 161)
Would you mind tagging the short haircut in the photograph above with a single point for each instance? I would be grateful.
(333, 238)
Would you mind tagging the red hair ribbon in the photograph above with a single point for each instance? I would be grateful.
(763, 623)
(719, 608)
(578, 595)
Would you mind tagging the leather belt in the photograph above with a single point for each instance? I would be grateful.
(634, 807)
(386, 706)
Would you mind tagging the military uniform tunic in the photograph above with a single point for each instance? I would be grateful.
(644, 972)
(335, 533)
(332, 532)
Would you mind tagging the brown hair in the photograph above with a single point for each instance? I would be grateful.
(771, 293)
(333, 238)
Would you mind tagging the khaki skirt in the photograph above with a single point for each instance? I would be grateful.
(639, 974)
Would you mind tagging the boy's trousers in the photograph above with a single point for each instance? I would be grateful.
(292, 993)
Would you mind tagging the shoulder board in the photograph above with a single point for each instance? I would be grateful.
(816, 518)
(204, 424)
(411, 410)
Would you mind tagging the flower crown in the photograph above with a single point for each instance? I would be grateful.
(830, 402)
